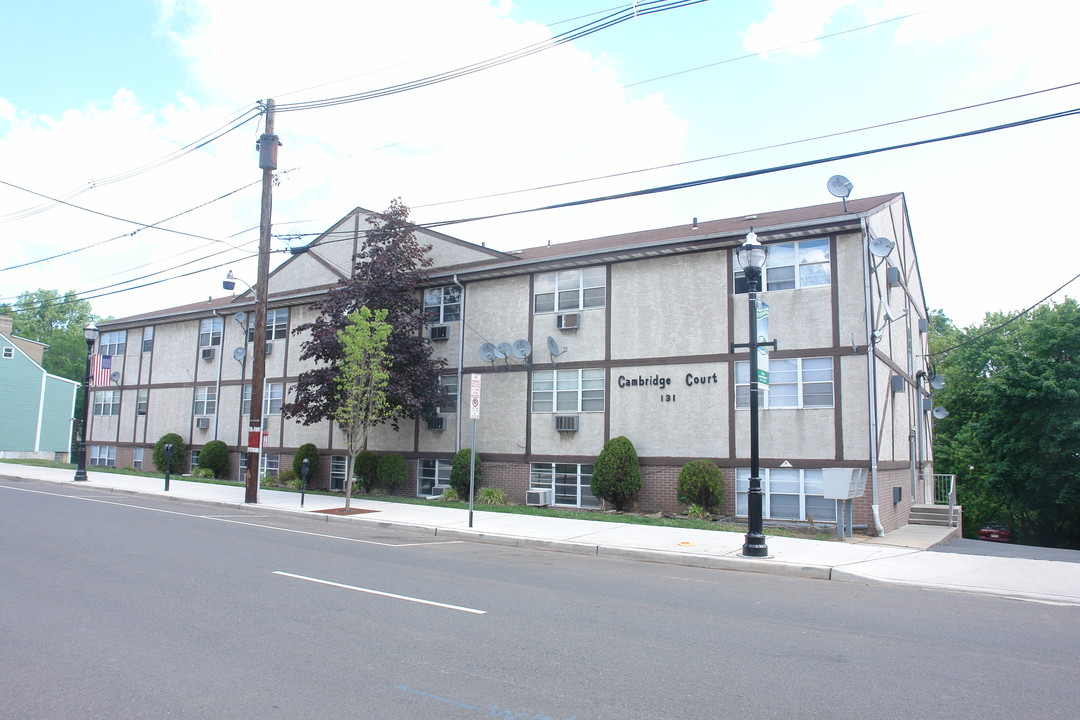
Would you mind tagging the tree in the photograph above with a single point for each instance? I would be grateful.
(393, 471)
(309, 452)
(1013, 433)
(388, 272)
(366, 469)
(57, 320)
(215, 456)
(179, 453)
(616, 474)
(459, 472)
(363, 375)
(701, 483)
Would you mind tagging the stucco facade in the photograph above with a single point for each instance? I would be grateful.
(633, 335)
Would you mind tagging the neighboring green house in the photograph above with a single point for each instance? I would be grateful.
(39, 407)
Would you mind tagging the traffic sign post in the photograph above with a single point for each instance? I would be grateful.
(474, 415)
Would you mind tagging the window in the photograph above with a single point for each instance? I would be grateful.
(112, 343)
(432, 476)
(568, 390)
(571, 483)
(442, 304)
(243, 466)
(277, 325)
(270, 465)
(107, 402)
(338, 468)
(9, 352)
(793, 383)
(137, 458)
(148, 339)
(792, 265)
(275, 393)
(102, 456)
(205, 401)
(246, 409)
(142, 401)
(570, 290)
(787, 494)
(449, 384)
(194, 460)
(210, 331)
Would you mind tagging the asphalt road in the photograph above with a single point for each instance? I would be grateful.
(965, 546)
(130, 607)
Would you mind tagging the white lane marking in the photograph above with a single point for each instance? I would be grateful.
(234, 522)
(369, 591)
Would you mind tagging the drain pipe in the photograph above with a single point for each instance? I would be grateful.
(871, 386)
(461, 360)
(220, 361)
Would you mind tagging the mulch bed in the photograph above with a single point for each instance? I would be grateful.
(343, 511)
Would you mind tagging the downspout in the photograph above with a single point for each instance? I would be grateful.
(871, 385)
(217, 385)
(461, 360)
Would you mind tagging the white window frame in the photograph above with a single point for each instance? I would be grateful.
(450, 385)
(205, 401)
(275, 396)
(210, 330)
(193, 457)
(569, 391)
(102, 456)
(9, 352)
(113, 342)
(802, 270)
(245, 401)
(148, 339)
(106, 403)
(271, 465)
(138, 457)
(442, 304)
(570, 483)
(435, 472)
(339, 468)
(142, 401)
(277, 325)
(810, 504)
(570, 290)
(806, 380)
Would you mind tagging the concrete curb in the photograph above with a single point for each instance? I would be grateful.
(854, 577)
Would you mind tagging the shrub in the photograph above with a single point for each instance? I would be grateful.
(287, 478)
(701, 483)
(179, 454)
(696, 512)
(393, 471)
(203, 472)
(459, 472)
(449, 495)
(309, 451)
(491, 496)
(214, 456)
(366, 469)
(616, 474)
(268, 481)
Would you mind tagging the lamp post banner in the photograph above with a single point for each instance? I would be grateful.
(763, 337)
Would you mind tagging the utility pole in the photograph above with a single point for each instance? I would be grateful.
(267, 147)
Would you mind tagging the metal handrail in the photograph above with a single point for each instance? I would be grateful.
(945, 494)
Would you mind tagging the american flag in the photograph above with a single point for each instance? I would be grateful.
(100, 370)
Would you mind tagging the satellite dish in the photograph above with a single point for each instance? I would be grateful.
(553, 347)
(504, 350)
(940, 413)
(115, 375)
(487, 352)
(839, 186)
(881, 247)
(240, 317)
(522, 349)
(937, 382)
(239, 354)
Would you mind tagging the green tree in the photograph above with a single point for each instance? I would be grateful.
(1013, 433)
(616, 474)
(363, 376)
(179, 454)
(215, 456)
(701, 483)
(393, 471)
(459, 472)
(57, 320)
(309, 452)
(366, 469)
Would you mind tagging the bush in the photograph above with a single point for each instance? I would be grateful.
(616, 474)
(287, 477)
(459, 472)
(366, 469)
(179, 454)
(491, 496)
(393, 471)
(449, 495)
(701, 483)
(203, 472)
(214, 456)
(696, 512)
(309, 451)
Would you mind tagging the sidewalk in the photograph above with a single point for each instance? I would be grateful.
(897, 558)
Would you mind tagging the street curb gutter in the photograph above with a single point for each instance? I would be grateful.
(854, 577)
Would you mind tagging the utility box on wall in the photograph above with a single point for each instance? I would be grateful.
(844, 483)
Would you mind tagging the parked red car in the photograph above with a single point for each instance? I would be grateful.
(997, 532)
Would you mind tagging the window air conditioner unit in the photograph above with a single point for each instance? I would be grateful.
(568, 321)
(269, 348)
(436, 423)
(539, 496)
(566, 423)
(440, 332)
(202, 423)
(208, 353)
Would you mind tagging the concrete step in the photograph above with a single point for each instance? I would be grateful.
(937, 515)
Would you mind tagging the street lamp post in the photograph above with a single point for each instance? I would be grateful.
(751, 255)
(90, 332)
(258, 380)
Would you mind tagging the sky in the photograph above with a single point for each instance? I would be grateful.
(136, 113)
